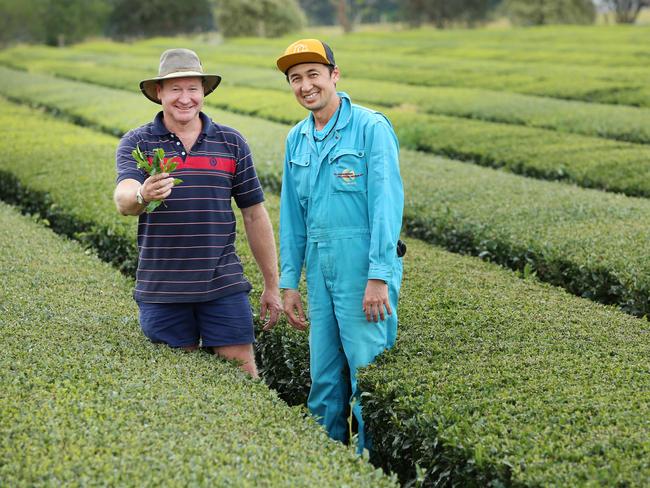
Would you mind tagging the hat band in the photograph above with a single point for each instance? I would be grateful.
(180, 70)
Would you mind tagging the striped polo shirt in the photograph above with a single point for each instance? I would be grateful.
(186, 247)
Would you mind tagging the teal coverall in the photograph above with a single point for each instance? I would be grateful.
(340, 216)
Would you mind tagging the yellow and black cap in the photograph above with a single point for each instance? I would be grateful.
(305, 51)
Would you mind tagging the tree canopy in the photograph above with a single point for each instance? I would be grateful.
(539, 12)
(263, 18)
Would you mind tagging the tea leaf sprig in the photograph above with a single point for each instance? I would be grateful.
(157, 165)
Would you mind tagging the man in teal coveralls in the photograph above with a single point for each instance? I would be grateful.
(340, 216)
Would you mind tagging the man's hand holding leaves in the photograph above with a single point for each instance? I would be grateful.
(156, 187)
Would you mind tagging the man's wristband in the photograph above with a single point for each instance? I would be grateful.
(139, 198)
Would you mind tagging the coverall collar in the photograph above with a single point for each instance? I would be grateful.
(345, 115)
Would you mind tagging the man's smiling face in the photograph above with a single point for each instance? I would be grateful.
(181, 99)
(313, 85)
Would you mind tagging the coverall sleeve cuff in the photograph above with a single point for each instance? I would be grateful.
(289, 281)
(380, 272)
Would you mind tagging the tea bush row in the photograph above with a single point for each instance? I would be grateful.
(415, 66)
(590, 162)
(609, 46)
(592, 119)
(592, 243)
(499, 381)
(615, 122)
(86, 400)
(487, 362)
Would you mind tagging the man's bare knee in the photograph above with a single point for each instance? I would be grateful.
(242, 353)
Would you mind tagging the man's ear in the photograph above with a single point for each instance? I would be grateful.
(336, 74)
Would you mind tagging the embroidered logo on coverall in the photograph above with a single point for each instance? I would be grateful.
(348, 176)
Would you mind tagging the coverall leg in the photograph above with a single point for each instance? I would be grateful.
(341, 339)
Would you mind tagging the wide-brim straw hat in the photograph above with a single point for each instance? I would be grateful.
(178, 63)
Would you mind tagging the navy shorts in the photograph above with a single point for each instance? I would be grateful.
(226, 321)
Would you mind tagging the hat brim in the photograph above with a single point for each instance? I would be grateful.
(148, 87)
(289, 60)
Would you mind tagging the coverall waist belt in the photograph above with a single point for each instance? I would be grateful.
(339, 233)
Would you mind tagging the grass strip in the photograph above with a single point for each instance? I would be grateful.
(87, 400)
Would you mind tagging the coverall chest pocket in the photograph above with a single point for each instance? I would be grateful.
(349, 171)
(300, 168)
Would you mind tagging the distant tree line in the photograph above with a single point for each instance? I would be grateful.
(540, 12)
(625, 11)
(60, 22)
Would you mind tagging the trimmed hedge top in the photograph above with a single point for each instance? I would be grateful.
(592, 243)
(87, 400)
(499, 381)
(536, 152)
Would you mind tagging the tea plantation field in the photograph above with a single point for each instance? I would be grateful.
(523, 355)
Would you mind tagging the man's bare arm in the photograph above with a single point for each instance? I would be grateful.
(262, 243)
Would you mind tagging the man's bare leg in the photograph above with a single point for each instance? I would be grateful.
(241, 352)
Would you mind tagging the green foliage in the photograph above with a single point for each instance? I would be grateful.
(283, 357)
(131, 19)
(88, 400)
(498, 381)
(494, 362)
(587, 161)
(587, 242)
(485, 362)
(625, 11)
(443, 13)
(50, 21)
(539, 12)
(156, 166)
(261, 18)
(605, 61)
(319, 12)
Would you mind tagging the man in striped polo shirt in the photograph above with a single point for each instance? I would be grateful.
(190, 286)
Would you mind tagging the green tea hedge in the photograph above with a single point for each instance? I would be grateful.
(69, 183)
(453, 285)
(592, 243)
(499, 381)
(126, 68)
(588, 161)
(87, 400)
(410, 59)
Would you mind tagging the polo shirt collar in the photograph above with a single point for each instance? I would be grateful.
(159, 128)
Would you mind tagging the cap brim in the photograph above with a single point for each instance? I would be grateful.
(287, 61)
(148, 87)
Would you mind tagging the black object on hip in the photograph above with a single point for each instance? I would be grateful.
(401, 248)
